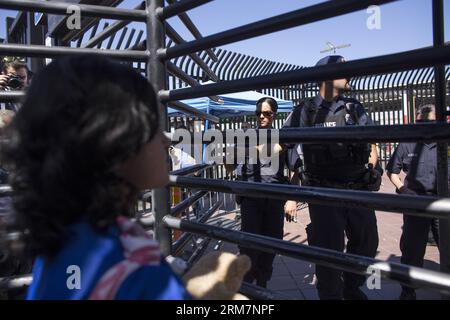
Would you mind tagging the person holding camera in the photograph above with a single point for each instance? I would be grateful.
(14, 77)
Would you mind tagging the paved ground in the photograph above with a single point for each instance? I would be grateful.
(296, 279)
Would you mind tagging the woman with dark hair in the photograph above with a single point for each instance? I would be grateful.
(80, 150)
(262, 216)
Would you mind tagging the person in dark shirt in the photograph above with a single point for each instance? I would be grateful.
(259, 215)
(419, 162)
(341, 166)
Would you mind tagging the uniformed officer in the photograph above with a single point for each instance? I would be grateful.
(419, 162)
(343, 166)
(261, 215)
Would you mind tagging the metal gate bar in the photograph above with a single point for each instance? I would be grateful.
(327, 9)
(376, 65)
(424, 206)
(87, 9)
(156, 57)
(343, 261)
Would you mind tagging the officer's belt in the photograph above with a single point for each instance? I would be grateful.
(316, 181)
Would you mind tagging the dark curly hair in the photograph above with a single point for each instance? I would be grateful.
(83, 116)
(271, 101)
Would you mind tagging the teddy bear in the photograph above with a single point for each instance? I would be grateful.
(217, 276)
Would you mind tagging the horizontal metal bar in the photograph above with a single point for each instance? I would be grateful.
(425, 132)
(181, 74)
(86, 10)
(178, 105)
(193, 29)
(18, 96)
(371, 66)
(343, 261)
(292, 19)
(179, 7)
(175, 36)
(190, 170)
(53, 52)
(15, 282)
(183, 240)
(12, 96)
(422, 206)
(183, 205)
(5, 190)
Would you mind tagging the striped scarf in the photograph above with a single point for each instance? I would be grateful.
(139, 250)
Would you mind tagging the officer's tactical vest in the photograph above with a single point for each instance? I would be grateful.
(341, 161)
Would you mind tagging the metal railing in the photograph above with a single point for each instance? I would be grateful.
(438, 56)
(157, 56)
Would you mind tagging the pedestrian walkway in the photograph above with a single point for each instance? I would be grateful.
(295, 278)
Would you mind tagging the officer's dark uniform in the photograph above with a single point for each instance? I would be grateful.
(419, 162)
(337, 166)
(261, 216)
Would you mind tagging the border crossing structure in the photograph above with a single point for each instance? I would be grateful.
(158, 52)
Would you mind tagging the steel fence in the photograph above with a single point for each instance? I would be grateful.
(158, 60)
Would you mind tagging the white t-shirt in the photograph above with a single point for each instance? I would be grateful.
(180, 158)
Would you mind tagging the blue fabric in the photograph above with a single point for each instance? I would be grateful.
(234, 104)
(419, 162)
(95, 254)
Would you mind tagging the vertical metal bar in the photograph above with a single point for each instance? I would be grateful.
(156, 71)
(33, 36)
(442, 165)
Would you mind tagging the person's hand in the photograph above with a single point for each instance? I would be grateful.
(5, 118)
(290, 211)
(405, 190)
(373, 179)
(3, 80)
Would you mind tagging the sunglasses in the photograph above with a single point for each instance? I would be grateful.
(266, 114)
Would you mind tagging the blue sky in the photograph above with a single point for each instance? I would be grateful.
(405, 25)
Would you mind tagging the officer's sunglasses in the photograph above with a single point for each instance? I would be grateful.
(266, 114)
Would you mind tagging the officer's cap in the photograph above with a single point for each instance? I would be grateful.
(329, 60)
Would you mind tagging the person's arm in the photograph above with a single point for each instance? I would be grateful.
(395, 179)
(290, 207)
(398, 183)
(373, 159)
(364, 120)
(394, 168)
